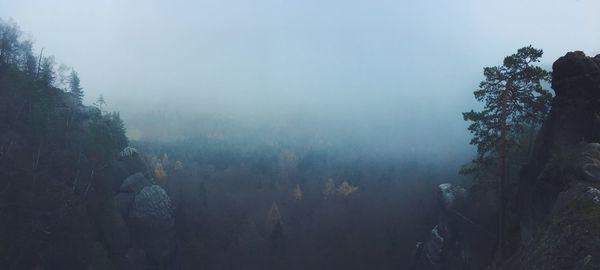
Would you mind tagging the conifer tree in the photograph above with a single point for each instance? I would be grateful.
(100, 102)
(515, 100)
(46, 73)
(75, 86)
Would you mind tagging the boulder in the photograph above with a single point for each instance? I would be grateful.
(444, 248)
(152, 205)
(576, 75)
(133, 161)
(119, 172)
(451, 196)
(135, 183)
(128, 162)
(128, 152)
(152, 223)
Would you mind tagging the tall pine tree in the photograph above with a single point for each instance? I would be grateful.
(75, 86)
(515, 100)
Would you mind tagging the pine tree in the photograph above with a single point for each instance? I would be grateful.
(75, 86)
(46, 73)
(100, 102)
(515, 100)
(9, 42)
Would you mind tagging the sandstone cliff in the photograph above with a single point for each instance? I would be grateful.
(559, 199)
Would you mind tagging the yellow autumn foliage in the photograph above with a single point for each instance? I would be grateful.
(159, 170)
(346, 189)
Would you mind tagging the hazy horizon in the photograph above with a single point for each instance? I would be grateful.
(388, 72)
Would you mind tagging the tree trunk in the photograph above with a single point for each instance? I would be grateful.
(2, 51)
(503, 175)
(531, 140)
(39, 67)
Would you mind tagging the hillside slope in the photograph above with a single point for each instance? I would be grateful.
(66, 196)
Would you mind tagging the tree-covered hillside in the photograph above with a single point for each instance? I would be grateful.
(53, 150)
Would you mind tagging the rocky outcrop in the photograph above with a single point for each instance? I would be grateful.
(135, 183)
(557, 202)
(127, 192)
(152, 207)
(451, 197)
(146, 212)
(444, 249)
(152, 223)
(573, 119)
(129, 162)
(569, 238)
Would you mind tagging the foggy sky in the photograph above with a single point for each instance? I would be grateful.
(401, 69)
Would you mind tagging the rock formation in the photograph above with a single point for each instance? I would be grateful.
(444, 249)
(558, 201)
(152, 223)
(147, 211)
(135, 183)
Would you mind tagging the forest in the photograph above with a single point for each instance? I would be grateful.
(91, 181)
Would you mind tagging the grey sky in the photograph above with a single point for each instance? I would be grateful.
(401, 67)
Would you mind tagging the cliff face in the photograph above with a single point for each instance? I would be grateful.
(559, 199)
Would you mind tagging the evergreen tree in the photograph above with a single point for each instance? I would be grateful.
(515, 100)
(105, 137)
(46, 71)
(9, 42)
(100, 102)
(75, 86)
